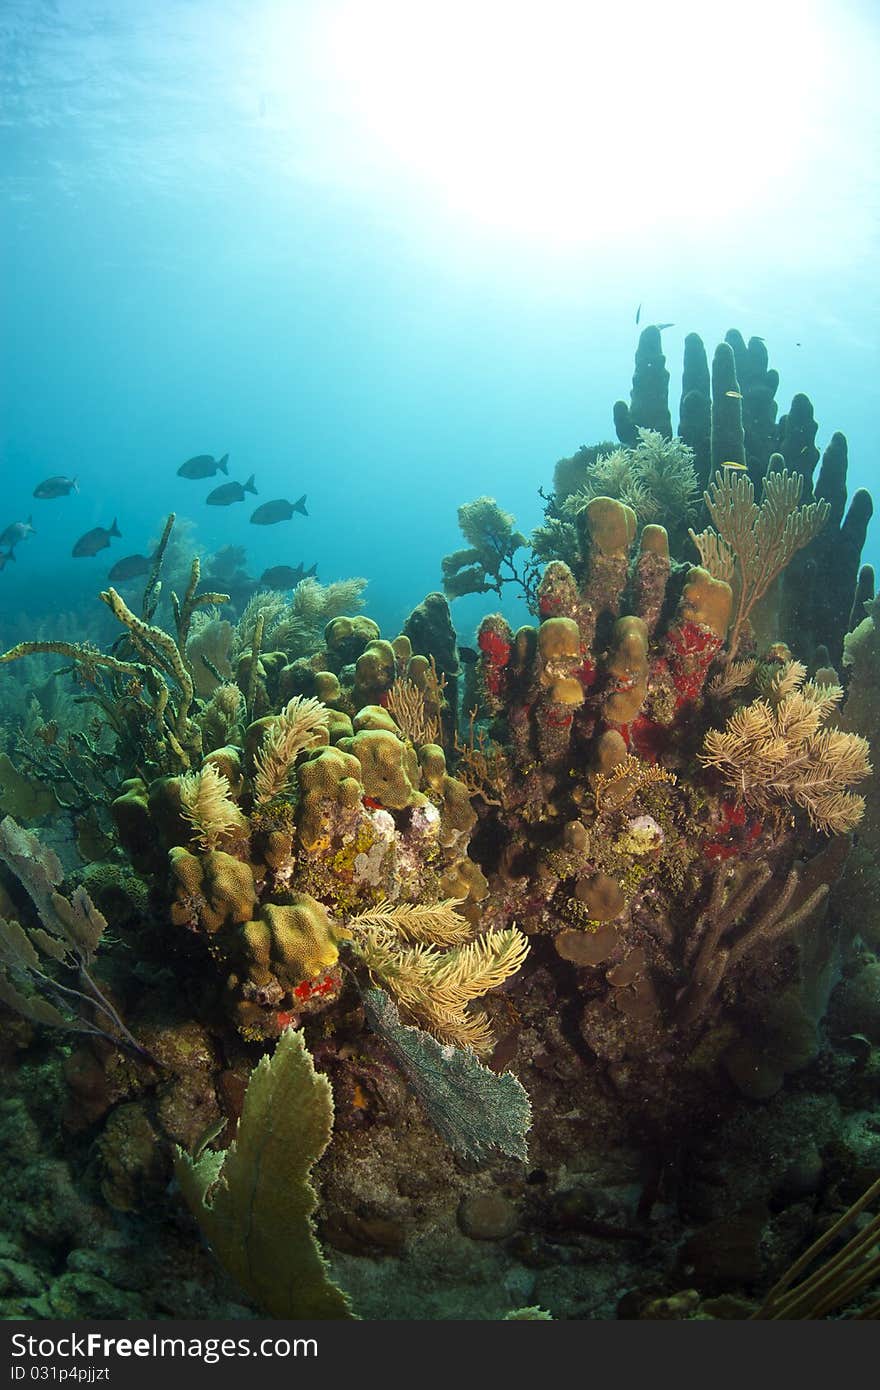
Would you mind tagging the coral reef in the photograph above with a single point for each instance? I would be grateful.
(564, 938)
(727, 420)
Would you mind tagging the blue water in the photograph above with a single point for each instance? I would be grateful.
(390, 256)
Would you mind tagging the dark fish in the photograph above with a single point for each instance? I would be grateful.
(468, 656)
(93, 541)
(130, 567)
(638, 314)
(59, 486)
(230, 492)
(287, 576)
(5, 557)
(279, 510)
(18, 531)
(203, 466)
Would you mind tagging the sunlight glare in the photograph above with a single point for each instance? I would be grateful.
(547, 118)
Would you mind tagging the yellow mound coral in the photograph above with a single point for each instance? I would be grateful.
(329, 779)
(389, 768)
(211, 890)
(296, 941)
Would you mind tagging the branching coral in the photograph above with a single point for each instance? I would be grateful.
(730, 928)
(221, 719)
(488, 562)
(776, 752)
(753, 544)
(435, 924)
(157, 689)
(406, 704)
(734, 676)
(613, 790)
(268, 604)
(294, 623)
(851, 1270)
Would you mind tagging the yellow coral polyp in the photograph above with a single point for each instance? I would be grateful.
(432, 761)
(628, 669)
(567, 691)
(327, 779)
(654, 540)
(341, 634)
(327, 687)
(706, 601)
(374, 717)
(216, 886)
(611, 524)
(375, 669)
(559, 640)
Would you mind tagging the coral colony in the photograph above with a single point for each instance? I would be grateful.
(570, 889)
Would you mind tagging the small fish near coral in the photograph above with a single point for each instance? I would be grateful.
(129, 567)
(287, 576)
(389, 865)
(57, 486)
(278, 510)
(228, 493)
(203, 466)
(17, 531)
(93, 541)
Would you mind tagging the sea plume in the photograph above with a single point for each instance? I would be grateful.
(401, 947)
(778, 751)
(301, 724)
(206, 804)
